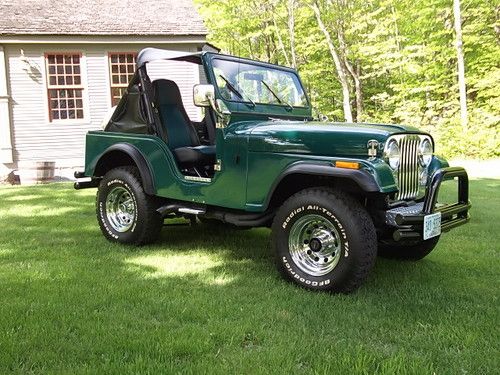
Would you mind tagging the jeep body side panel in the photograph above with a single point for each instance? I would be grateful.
(280, 148)
(266, 170)
(226, 189)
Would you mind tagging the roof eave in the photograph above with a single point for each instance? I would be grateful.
(51, 38)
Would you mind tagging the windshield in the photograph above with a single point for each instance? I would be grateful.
(246, 82)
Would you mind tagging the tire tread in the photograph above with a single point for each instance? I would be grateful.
(152, 223)
(368, 256)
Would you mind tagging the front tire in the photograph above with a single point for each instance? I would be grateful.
(125, 213)
(324, 240)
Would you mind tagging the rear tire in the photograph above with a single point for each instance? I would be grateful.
(125, 213)
(412, 252)
(324, 240)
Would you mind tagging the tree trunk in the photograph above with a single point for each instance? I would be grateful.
(354, 73)
(461, 66)
(291, 30)
(359, 92)
(280, 40)
(344, 82)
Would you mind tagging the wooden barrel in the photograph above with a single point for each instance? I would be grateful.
(36, 172)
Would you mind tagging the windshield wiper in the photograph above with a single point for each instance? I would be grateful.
(235, 91)
(280, 101)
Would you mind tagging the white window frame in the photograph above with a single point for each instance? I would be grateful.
(112, 85)
(83, 86)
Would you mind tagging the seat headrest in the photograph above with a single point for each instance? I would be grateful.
(167, 92)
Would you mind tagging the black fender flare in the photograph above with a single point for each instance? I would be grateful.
(363, 179)
(139, 160)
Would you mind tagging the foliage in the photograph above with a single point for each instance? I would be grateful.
(403, 52)
(208, 302)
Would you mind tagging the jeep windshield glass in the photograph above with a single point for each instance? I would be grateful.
(258, 84)
(234, 90)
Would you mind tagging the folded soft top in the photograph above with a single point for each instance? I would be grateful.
(152, 54)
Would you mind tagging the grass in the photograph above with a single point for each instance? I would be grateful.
(212, 302)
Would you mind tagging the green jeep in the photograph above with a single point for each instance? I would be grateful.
(334, 194)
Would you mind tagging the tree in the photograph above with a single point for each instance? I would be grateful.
(460, 63)
(341, 70)
(381, 60)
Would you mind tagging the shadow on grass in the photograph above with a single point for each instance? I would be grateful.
(53, 219)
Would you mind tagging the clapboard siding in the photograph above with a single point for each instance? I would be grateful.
(35, 137)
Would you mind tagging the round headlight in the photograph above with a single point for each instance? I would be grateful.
(425, 152)
(393, 154)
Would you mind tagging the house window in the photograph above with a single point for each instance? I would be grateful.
(64, 86)
(121, 68)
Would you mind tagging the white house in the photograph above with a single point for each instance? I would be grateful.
(64, 64)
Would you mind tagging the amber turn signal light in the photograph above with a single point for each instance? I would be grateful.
(347, 164)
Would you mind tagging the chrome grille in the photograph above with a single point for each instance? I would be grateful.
(408, 175)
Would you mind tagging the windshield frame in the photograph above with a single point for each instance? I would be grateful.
(261, 64)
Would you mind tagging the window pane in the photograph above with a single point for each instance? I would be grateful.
(65, 104)
(122, 69)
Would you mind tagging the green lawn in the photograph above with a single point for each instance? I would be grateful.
(212, 302)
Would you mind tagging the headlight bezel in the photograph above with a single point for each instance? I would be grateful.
(392, 154)
(425, 152)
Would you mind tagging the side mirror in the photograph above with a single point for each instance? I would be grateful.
(203, 95)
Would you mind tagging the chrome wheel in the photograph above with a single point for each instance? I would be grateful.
(120, 209)
(314, 244)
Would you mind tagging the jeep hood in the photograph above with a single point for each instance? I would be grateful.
(318, 138)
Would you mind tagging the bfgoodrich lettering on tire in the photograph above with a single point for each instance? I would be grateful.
(324, 240)
(124, 211)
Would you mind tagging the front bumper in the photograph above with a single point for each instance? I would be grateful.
(408, 221)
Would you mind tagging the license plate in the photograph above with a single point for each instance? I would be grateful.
(432, 225)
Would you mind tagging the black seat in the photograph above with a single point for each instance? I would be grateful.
(181, 136)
